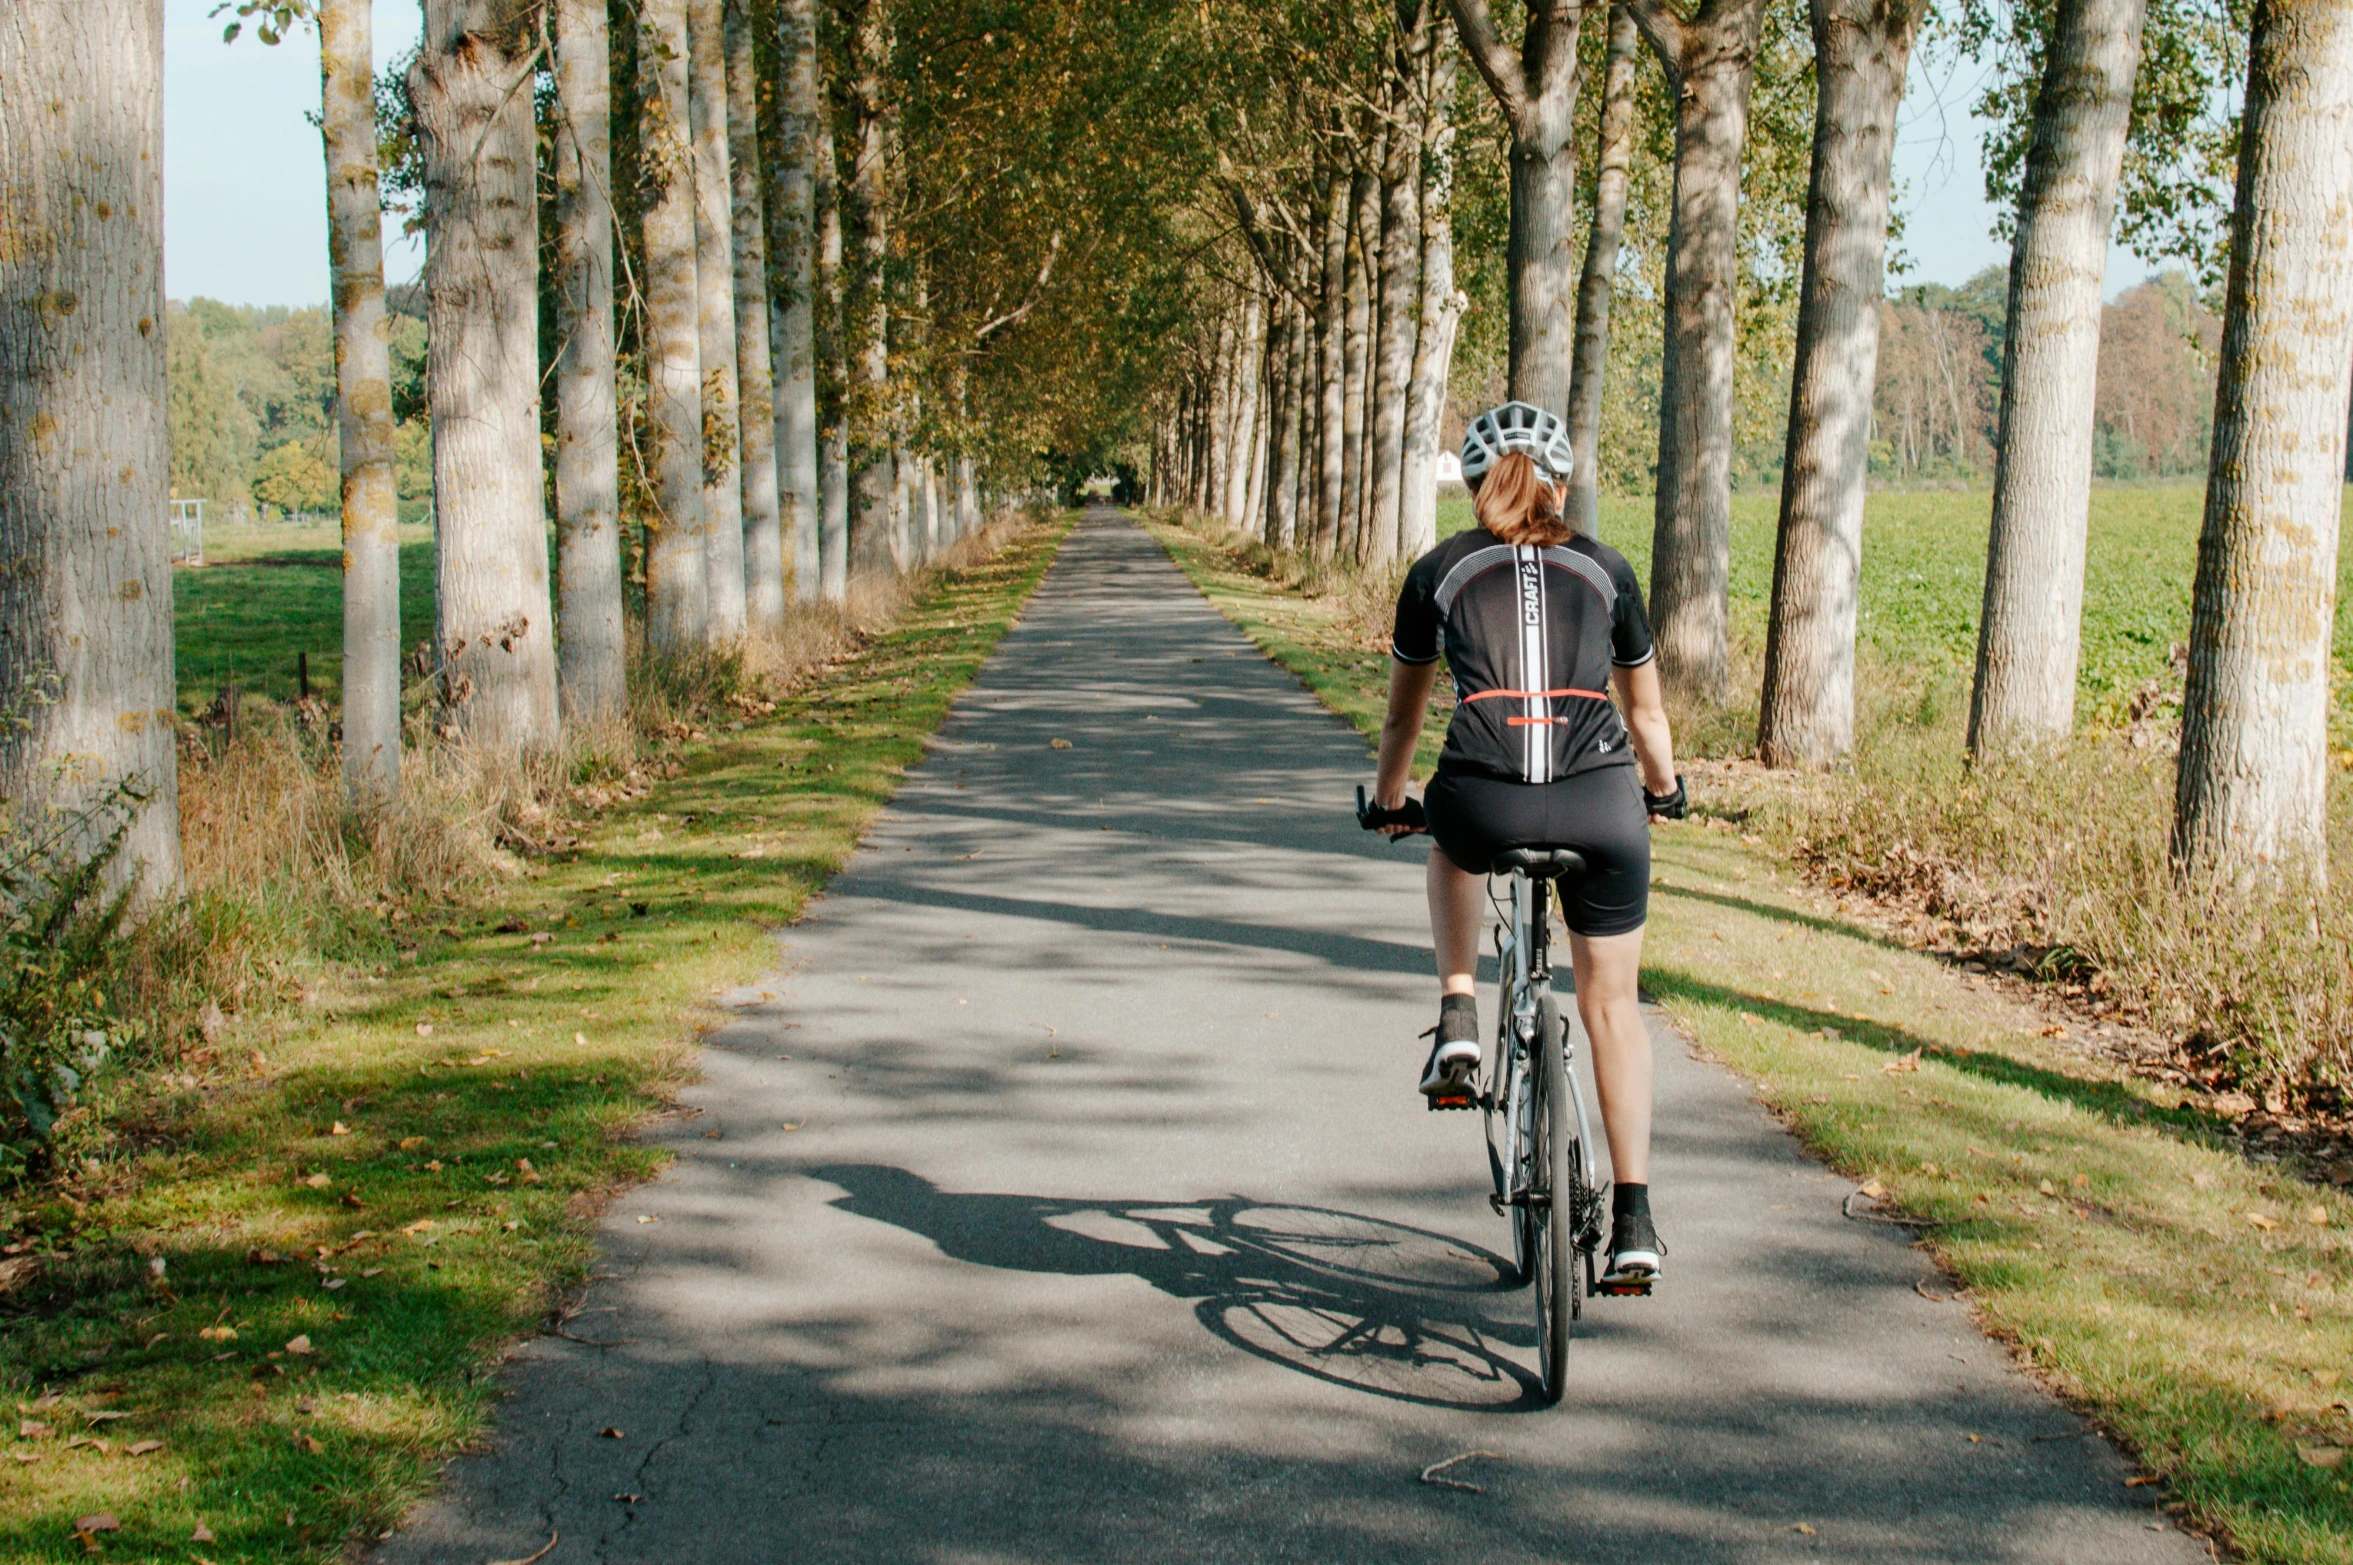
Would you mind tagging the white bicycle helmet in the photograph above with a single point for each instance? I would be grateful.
(1516, 426)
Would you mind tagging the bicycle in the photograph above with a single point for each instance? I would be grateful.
(1539, 1136)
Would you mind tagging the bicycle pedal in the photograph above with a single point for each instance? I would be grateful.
(1624, 1290)
(1439, 1101)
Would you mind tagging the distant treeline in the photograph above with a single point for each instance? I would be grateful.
(253, 405)
(1940, 377)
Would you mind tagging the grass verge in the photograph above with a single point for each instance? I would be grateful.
(2196, 1305)
(257, 1334)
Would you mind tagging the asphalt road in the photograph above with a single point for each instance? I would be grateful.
(1070, 1200)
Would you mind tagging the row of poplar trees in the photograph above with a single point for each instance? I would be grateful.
(1299, 368)
(767, 274)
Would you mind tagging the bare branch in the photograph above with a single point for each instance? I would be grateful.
(1037, 291)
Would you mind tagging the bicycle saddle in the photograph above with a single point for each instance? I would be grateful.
(1539, 863)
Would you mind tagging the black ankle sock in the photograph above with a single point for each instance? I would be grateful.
(1457, 1002)
(1630, 1200)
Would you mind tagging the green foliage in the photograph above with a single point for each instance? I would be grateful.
(246, 382)
(294, 477)
(59, 915)
(2181, 158)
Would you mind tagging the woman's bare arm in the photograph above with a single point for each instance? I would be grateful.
(1409, 702)
(1643, 701)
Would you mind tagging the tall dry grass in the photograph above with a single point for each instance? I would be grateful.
(2063, 860)
(284, 874)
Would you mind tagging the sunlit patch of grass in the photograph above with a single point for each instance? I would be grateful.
(2186, 1300)
(397, 1170)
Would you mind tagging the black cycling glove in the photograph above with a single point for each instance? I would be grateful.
(1670, 806)
(1372, 817)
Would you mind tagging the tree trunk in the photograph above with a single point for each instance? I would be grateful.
(590, 671)
(85, 546)
(1332, 370)
(874, 544)
(1356, 363)
(1393, 356)
(1441, 310)
(714, 250)
(833, 488)
(1270, 522)
(1598, 284)
(677, 594)
(471, 85)
(1711, 61)
(1282, 520)
(1861, 49)
(763, 535)
(793, 213)
(363, 406)
(1249, 387)
(1536, 85)
(2251, 798)
(2030, 633)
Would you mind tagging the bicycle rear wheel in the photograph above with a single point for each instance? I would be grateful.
(1551, 1192)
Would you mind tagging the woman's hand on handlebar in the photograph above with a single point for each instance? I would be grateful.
(1393, 816)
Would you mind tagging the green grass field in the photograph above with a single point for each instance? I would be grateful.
(265, 595)
(1924, 577)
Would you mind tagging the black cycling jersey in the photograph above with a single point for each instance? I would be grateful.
(1530, 633)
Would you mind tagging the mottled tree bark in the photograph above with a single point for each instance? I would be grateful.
(833, 454)
(1249, 385)
(1536, 86)
(2251, 797)
(1356, 360)
(677, 568)
(1441, 310)
(1332, 368)
(1393, 346)
(471, 86)
(1861, 50)
(2030, 634)
(763, 534)
(714, 250)
(590, 670)
(792, 210)
(1711, 61)
(874, 543)
(1598, 283)
(85, 546)
(1272, 524)
(363, 405)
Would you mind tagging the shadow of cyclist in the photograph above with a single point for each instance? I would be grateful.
(1353, 1300)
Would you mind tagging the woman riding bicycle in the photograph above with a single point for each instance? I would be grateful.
(1538, 625)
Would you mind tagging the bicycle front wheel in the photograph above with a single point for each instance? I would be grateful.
(1551, 1257)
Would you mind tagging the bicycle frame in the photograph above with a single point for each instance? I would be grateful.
(1524, 955)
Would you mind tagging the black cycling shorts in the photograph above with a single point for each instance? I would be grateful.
(1599, 813)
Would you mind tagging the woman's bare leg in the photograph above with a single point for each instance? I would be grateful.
(1606, 969)
(1455, 921)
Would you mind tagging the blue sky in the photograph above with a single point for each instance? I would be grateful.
(245, 193)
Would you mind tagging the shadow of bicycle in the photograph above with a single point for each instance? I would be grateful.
(1351, 1300)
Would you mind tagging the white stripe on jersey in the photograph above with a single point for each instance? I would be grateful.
(1536, 749)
